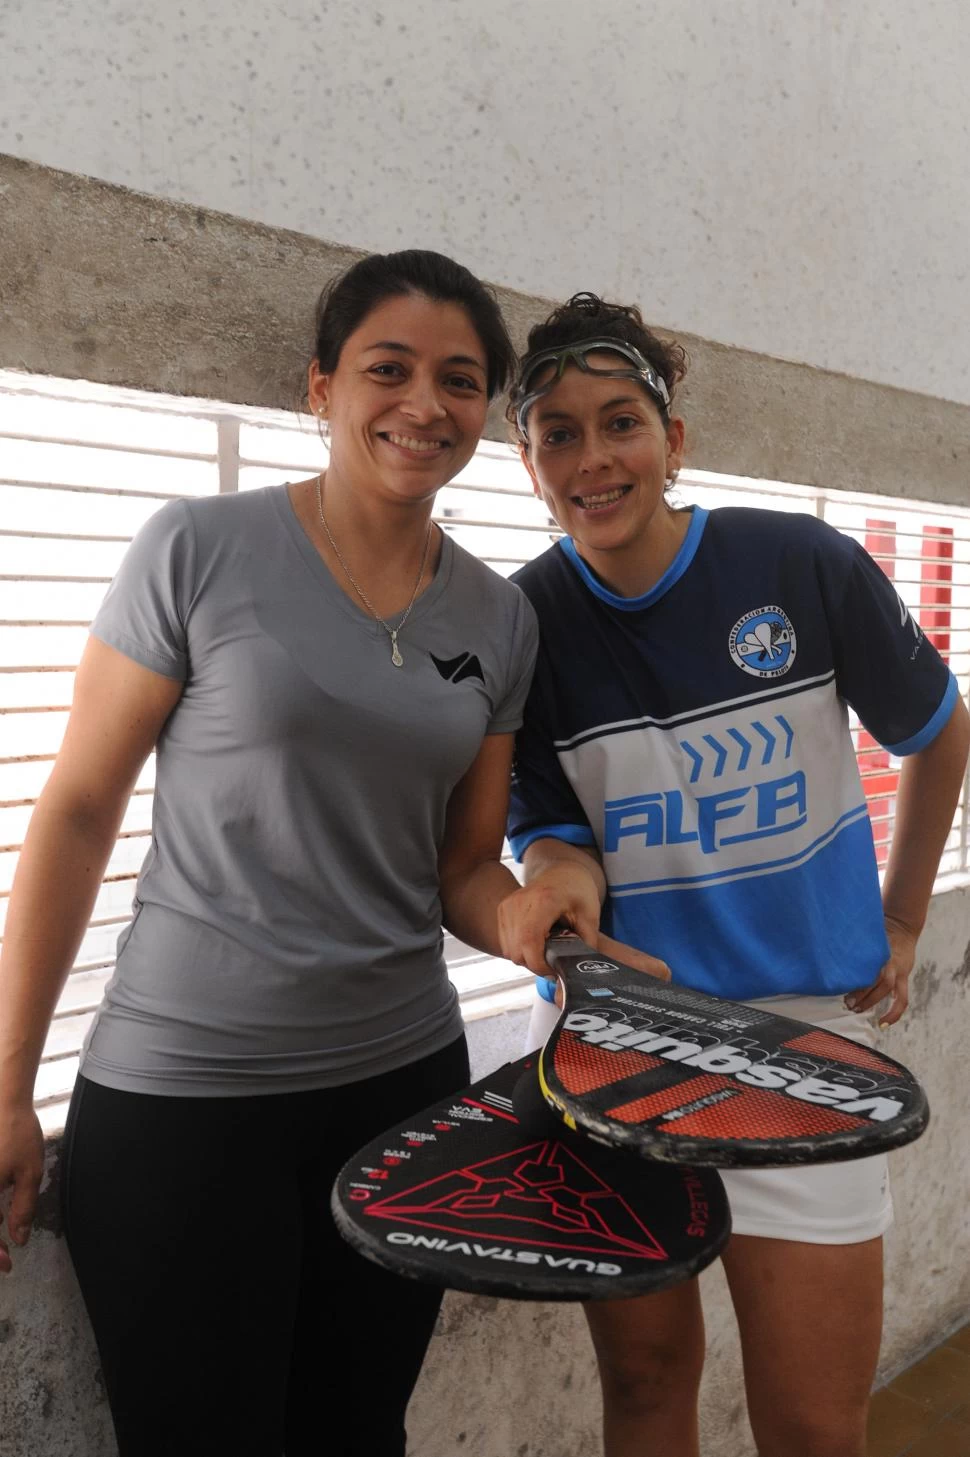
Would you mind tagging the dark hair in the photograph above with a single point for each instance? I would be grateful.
(586, 316)
(348, 299)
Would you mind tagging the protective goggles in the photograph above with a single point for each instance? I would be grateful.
(584, 356)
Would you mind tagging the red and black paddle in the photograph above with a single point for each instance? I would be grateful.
(489, 1192)
(675, 1075)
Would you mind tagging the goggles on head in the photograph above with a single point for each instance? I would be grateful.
(584, 356)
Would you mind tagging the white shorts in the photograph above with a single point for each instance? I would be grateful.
(824, 1204)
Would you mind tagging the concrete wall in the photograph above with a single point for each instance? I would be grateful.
(103, 284)
(787, 178)
(503, 1378)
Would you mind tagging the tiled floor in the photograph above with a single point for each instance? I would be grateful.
(925, 1412)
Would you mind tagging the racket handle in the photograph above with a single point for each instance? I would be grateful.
(562, 940)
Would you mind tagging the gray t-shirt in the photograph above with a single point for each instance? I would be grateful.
(287, 928)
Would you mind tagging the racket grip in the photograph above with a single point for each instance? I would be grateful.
(559, 933)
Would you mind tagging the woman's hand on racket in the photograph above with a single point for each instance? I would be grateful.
(21, 1167)
(893, 979)
(565, 883)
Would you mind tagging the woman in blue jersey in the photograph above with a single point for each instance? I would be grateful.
(326, 797)
(686, 775)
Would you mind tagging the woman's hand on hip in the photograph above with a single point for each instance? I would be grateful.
(893, 979)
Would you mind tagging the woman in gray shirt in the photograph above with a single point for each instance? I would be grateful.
(332, 687)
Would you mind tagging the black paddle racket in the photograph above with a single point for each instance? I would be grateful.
(489, 1192)
(683, 1077)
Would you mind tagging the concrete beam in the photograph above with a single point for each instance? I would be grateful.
(104, 284)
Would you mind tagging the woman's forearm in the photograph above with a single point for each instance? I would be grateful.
(55, 887)
(926, 801)
(470, 904)
(569, 878)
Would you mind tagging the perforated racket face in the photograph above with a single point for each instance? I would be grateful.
(684, 1077)
(489, 1192)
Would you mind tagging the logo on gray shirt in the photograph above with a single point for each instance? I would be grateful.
(466, 665)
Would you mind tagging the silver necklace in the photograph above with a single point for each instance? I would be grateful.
(392, 632)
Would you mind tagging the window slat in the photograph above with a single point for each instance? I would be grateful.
(32, 508)
(87, 467)
(28, 416)
(83, 992)
(50, 601)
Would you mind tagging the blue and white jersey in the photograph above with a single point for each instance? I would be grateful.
(698, 737)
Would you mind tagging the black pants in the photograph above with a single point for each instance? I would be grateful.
(230, 1317)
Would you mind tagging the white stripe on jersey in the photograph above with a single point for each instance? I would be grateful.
(684, 804)
(750, 699)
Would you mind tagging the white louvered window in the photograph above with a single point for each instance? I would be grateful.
(82, 467)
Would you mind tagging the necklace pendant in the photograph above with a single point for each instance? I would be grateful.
(396, 658)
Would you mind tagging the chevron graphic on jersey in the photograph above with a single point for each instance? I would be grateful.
(723, 754)
(542, 1194)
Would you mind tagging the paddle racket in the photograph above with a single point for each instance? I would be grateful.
(683, 1077)
(489, 1192)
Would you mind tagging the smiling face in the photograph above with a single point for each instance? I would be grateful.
(406, 403)
(600, 456)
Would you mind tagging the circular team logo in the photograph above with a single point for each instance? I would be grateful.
(602, 967)
(763, 642)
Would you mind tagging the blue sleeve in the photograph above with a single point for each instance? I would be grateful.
(544, 804)
(144, 611)
(885, 665)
